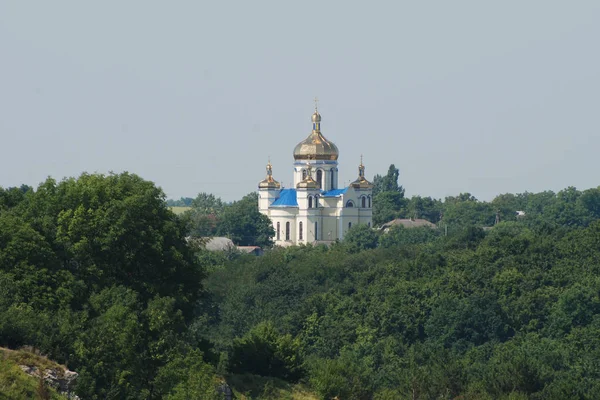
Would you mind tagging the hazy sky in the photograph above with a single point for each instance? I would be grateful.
(484, 97)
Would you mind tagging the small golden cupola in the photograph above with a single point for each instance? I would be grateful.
(361, 182)
(269, 182)
(308, 182)
(315, 146)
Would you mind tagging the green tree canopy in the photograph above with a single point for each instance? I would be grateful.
(388, 182)
(360, 237)
(244, 224)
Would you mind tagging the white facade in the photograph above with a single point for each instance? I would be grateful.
(315, 209)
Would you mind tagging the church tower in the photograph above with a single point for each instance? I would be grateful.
(268, 190)
(318, 153)
(315, 209)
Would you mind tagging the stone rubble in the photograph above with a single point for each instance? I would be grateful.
(62, 381)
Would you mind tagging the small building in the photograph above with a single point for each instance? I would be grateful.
(408, 223)
(220, 243)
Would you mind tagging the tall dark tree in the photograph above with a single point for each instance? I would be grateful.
(388, 197)
(388, 182)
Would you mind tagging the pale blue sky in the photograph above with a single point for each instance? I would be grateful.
(463, 96)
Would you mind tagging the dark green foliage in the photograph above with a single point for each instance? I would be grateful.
(11, 197)
(388, 197)
(203, 219)
(399, 235)
(360, 237)
(508, 312)
(240, 221)
(245, 225)
(388, 182)
(265, 352)
(388, 206)
(96, 273)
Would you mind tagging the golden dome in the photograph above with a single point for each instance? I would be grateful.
(308, 182)
(361, 182)
(269, 182)
(315, 146)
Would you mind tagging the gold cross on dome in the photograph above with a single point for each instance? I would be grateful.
(316, 103)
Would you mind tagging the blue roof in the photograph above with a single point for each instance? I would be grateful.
(287, 198)
(334, 192)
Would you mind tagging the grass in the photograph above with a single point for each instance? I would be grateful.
(178, 210)
(16, 384)
(29, 358)
(254, 387)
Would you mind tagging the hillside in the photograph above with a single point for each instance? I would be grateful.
(96, 273)
(19, 376)
(511, 313)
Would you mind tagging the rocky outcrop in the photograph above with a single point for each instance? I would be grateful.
(62, 380)
(226, 391)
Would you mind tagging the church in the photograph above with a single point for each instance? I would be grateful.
(316, 209)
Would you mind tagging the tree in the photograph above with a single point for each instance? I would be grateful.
(245, 225)
(466, 210)
(96, 272)
(360, 237)
(263, 351)
(388, 183)
(182, 202)
(388, 197)
(117, 229)
(398, 235)
(425, 207)
(590, 200)
(204, 217)
(12, 196)
(208, 204)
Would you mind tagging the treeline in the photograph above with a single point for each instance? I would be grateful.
(569, 207)
(96, 273)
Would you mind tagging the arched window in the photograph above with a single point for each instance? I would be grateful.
(332, 175)
(317, 201)
(349, 204)
(309, 201)
(349, 225)
(320, 178)
(303, 174)
(363, 202)
(287, 231)
(278, 231)
(300, 231)
(316, 231)
(369, 197)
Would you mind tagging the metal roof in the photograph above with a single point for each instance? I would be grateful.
(334, 192)
(287, 198)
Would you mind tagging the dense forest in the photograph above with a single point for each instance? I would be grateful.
(96, 273)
